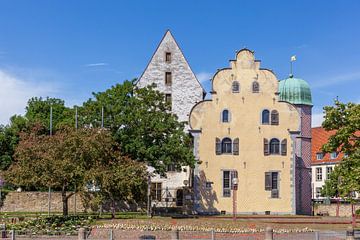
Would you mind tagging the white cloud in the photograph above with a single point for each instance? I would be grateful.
(317, 119)
(15, 92)
(338, 79)
(96, 64)
(203, 76)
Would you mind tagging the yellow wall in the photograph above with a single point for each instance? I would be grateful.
(245, 108)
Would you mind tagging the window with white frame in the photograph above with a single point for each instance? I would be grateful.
(333, 155)
(319, 174)
(228, 176)
(319, 156)
(155, 191)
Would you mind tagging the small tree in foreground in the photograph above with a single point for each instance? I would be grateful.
(62, 161)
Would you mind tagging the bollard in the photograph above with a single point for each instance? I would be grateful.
(82, 234)
(212, 234)
(350, 233)
(111, 235)
(269, 233)
(175, 234)
(317, 237)
(13, 234)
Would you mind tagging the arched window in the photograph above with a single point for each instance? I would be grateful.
(225, 116)
(226, 145)
(274, 117)
(265, 116)
(255, 87)
(235, 87)
(274, 146)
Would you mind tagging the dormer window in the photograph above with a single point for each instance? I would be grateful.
(319, 156)
(168, 57)
(333, 155)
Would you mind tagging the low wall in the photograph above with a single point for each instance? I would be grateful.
(38, 202)
(344, 209)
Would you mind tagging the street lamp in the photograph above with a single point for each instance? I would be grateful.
(235, 182)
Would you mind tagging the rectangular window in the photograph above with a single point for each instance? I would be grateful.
(171, 168)
(318, 192)
(319, 174)
(168, 98)
(155, 191)
(168, 57)
(228, 177)
(328, 172)
(319, 156)
(168, 79)
(272, 183)
(333, 155)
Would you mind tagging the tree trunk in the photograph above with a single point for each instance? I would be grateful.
(112, 209)
(65, 202)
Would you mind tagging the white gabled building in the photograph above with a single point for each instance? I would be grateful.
(171, 73)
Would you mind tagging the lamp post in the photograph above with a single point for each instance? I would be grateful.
(235, 182)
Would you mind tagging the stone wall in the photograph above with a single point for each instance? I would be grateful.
(38, 202)
(344, 209)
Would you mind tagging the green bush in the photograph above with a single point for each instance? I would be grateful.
(53, 225)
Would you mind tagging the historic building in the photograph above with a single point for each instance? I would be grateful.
(171, 73)
(252, 142)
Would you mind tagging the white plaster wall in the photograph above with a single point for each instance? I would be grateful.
(185, 90)
(315, 184)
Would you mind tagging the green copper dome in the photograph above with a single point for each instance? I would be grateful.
(295, 91)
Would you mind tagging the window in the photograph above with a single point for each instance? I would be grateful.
(274, 146)
(272, 183)
(228, 176)
(226, 184)
(274, 117)
(235, 87)
(168, 98)
(155, 192)
(319, 174)
(236, 146)
(168, 79)
(319, 156)
(265, 116)
(225, 116)
(226, 145)
(171, 168)
(284, 147)
(333, 155)
(255, 87)
(328, 172)
(168, 57)
(318, 192)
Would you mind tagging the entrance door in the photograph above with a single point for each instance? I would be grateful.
(179, 197)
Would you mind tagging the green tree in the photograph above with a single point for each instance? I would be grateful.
(9, 138)
(345, 120)
(38, 111)
(60, 161)
(141, 122)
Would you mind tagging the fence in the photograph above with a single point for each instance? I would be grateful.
(117, 234)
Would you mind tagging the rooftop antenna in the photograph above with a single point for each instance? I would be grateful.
(292, 59)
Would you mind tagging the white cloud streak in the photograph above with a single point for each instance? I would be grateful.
(203, 76)
(96, 64)
(335, 80)
(15, 92)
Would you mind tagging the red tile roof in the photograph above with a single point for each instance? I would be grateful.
(319, 137)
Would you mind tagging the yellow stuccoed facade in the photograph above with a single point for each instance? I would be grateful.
(245, 108)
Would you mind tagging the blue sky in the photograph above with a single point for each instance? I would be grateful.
(69, 49)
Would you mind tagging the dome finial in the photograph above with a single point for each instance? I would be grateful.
(292, 59)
